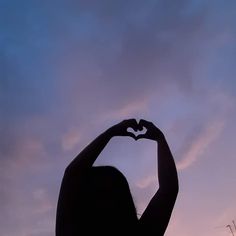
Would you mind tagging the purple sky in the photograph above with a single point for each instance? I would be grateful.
(70, 69)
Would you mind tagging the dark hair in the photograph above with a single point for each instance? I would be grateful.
(106, 201)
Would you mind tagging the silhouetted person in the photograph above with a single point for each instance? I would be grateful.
(97, 200)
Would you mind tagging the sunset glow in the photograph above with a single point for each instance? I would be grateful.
(71, 69)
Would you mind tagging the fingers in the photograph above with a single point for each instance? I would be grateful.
(131, 135)
(140, 136)
(152, 132)
(144, 123)
(131, 123)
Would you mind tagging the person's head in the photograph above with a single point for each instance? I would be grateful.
(107, 199)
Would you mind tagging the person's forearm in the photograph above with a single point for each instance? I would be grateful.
(167, 173)
(86, 158)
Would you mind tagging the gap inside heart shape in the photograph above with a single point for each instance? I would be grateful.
(136, 133)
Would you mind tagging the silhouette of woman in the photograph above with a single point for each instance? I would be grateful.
(97, 200)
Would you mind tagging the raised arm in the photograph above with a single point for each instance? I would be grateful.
(88, 156)
(76, 171)
(156, 216)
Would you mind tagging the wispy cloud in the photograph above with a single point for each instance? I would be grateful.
(130, 109)
(42, 200)
(146, 182)
(199, 145)
(70, 139)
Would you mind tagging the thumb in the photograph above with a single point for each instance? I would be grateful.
(131, 135)
(140, 136)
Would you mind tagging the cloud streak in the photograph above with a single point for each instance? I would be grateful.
(200, 144)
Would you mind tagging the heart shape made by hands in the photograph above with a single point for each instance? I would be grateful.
(138, 132)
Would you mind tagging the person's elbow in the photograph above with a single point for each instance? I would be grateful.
(69, 171)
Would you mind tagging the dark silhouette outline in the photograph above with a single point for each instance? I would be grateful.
(98, 199)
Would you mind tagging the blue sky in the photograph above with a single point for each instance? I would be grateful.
(70, 69)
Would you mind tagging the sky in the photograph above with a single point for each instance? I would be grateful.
(71, 69)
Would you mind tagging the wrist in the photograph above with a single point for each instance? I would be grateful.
(109, 133)
(160, 138)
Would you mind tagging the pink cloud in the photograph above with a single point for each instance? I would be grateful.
(130, 109)
(146, 182)
(200, 144)
(44, 205)
(70, 139)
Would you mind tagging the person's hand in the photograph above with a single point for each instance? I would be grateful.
(120, 129)
(152, 133)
